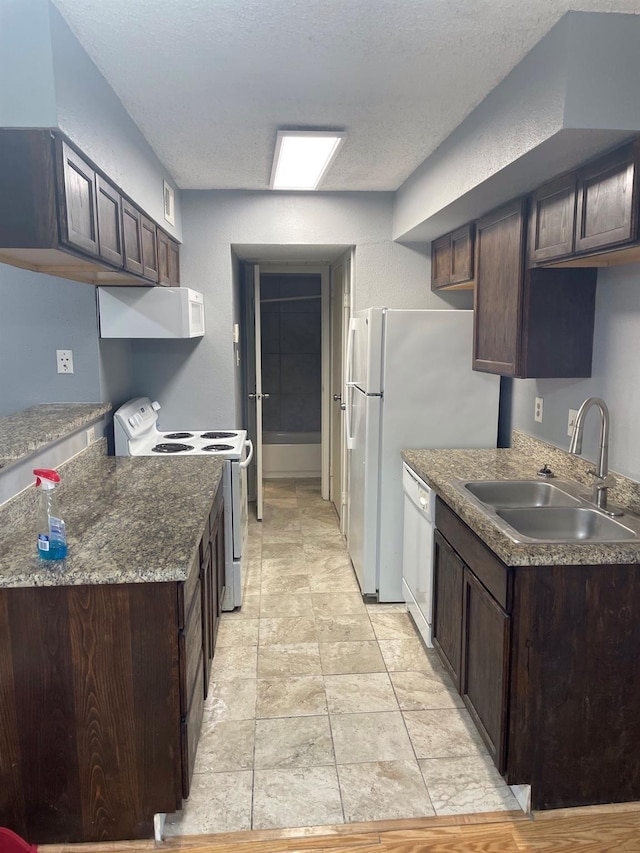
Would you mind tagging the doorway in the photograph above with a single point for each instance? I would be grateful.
(287, 358)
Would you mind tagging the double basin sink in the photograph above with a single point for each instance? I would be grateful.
(536, 511)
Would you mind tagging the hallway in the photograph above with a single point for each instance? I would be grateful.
(321, 709)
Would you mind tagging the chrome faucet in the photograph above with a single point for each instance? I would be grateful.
(602, 471)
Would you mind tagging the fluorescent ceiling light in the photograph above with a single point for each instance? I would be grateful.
(302, 158)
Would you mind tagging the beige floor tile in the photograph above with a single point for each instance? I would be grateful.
(282, 550)
(307, 796)
(280, 520)
(337, 604)
(280, 567)
(315, 549)
(226, 746)
(447, 733)
(424, 691)
(313, 530)
(286, 660)
(293, 742)
(281, 501)
(279, 485)
(232, 663)
(250, 608)
(332, 580)
(360, 693)
(344, 629)
(361, 738)
(303, 696)
(393, 626)
(384, 790)
(287, 629)
(273, 536)
(286, 605)
(466, 785)
(387, 608)
(237, 632)
(230, 700)
(284, 584)
(342, 658)
(407, 655)
(221, 807)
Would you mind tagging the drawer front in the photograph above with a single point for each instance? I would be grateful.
(490, 571)
(190, 734)
(187, 590)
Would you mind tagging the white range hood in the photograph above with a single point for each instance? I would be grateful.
(150, 312)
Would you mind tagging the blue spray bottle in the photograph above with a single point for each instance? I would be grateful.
(52, 538)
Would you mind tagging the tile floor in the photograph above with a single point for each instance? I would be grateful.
(323, 709)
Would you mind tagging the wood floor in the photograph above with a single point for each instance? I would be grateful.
(597, 829)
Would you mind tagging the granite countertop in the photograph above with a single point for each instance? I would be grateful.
(442, 468)
(23, 433)
(128, 519)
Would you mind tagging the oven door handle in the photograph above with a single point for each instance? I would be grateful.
(245, 464)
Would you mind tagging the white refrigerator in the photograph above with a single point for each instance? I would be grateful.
(409, 385)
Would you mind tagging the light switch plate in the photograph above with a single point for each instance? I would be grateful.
(64, 360)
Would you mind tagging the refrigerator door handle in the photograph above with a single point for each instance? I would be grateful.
(349, 385)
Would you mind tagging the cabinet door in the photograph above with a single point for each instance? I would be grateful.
(552, 219)
(163, 259)
(448, 571)
(174, 264)
(441, 261)
(149, 249)
(607, 201)
(109, 222)
(462, 242)
(485, 665)
(77, 201)
(132, 237)
(497, 314)
(207, 616)
(217, 573)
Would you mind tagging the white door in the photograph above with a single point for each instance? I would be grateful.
(335, 467)
(258, 392)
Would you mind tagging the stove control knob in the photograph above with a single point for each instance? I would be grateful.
(155, 406)
(132, 421)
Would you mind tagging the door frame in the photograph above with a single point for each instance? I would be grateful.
(300, 268)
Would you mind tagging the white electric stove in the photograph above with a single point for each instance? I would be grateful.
(136, 433)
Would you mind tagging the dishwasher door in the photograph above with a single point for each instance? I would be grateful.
(417, 551)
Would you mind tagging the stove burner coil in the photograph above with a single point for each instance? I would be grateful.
(217, 435)
(172, 448)
(178, 435)
(213, 448)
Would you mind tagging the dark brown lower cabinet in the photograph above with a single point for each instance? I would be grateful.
(485, 665)
(102, 694)
(548, 666)
(448, 571)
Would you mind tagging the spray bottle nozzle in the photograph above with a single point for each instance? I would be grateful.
(46, 477)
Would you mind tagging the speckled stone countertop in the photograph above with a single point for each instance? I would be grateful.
(128, 519)
(26, 432)
(442, 468)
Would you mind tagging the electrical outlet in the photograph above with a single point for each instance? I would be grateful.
(537, 413)
(91, 435)
(573, 414)
(64, 360)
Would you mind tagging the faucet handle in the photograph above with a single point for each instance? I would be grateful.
(601, 482)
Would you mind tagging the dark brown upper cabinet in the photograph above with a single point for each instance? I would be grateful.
(168, 260)
(60, 215)
(77, 199)
(109, 206)
(452, 259)
(535, 323)
(608, 201)
(149, 249)
(552, 220)
(132, 234)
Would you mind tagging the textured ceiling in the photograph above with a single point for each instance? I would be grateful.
(209, 81)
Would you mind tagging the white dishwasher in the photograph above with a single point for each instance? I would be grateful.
(417, 550)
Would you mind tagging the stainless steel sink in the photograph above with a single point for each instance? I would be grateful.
(519, 493)
(565, 524)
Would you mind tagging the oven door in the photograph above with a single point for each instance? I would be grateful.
(239, 491)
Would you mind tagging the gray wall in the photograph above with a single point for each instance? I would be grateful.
(615, 378)
(27, 92)
(201, 378)
(40, 314)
